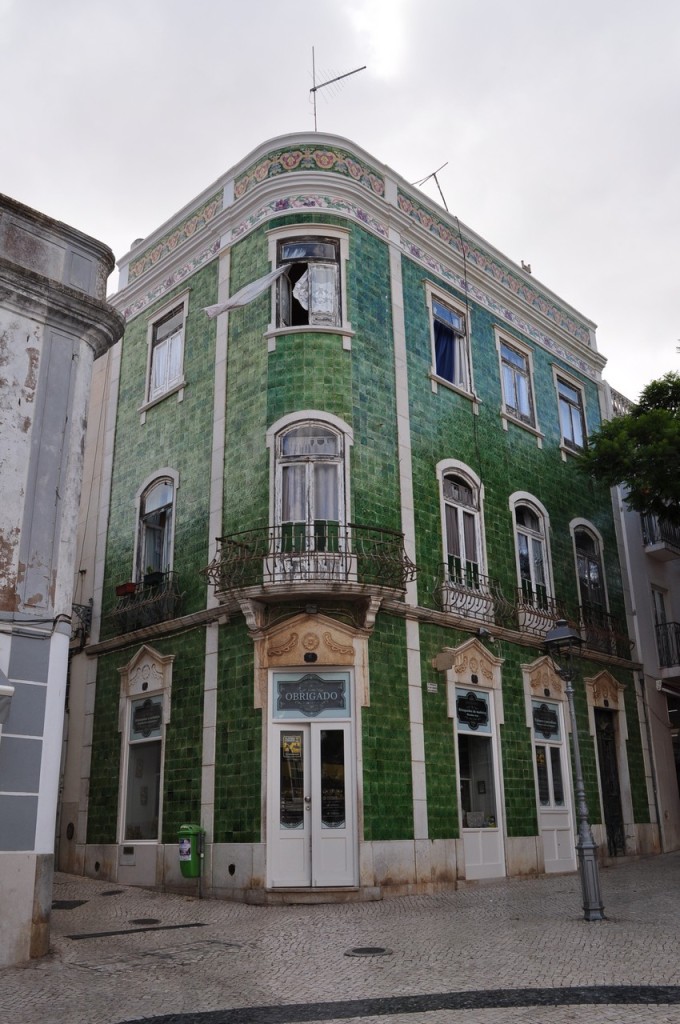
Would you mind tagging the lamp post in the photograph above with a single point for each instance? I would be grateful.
(564, 641)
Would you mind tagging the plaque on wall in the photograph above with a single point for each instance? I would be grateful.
(472, 710)
(546, 721)
(310, 695)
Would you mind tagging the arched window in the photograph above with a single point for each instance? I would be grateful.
(310, 502)
(154, 548)
(532, 559)
(590, 576)
(460, 496)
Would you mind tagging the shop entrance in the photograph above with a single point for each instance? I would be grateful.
(311, 835)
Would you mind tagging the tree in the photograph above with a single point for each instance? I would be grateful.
(641, 451)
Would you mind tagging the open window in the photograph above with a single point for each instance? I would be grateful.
(155, 539)
(449, 340)
(309, 290)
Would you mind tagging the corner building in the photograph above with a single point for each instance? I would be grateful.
(328, 531)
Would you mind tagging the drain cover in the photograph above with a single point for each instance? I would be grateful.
(369, 951)
(67, 904)
(112, 892)
(145, 920)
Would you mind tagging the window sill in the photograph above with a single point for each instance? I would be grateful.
(437, 380)
(507, 418)
(569, 452)
(346, 333)
(176, 389)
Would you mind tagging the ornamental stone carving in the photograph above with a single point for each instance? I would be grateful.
(605, 691)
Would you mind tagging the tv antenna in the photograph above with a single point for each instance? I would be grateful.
(322, 85)
(434, 174)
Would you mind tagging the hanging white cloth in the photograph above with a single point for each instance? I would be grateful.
(246, 294)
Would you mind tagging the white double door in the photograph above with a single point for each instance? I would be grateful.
(311, 834)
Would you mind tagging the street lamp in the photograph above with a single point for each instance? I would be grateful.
(564, 641)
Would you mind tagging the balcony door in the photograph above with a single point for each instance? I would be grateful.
(311, 833)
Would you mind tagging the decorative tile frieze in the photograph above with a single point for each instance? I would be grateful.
(309, 158)
(500, 274)
(196, 222)
(309, 201)
(170, 282)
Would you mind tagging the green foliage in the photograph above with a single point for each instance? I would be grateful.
(641, 451)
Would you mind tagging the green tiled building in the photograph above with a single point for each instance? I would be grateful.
(334, 510)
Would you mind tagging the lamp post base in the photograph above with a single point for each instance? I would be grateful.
(593, 908)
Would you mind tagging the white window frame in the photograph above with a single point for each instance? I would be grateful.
(568, 447)
(464, 384)
(538, 508)
(178, 382)
(301, 232)
(160, 474)
(585, 524)
(450, 467)
(508, 414)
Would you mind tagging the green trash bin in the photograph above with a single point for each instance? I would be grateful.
(190, 838)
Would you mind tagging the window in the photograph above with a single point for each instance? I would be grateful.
(518, 399)
(309, 291)
(449, 342)
(462, 534)
(143, 790)
(532, 560)
(310, 507)
(590, 576)
(166, 357)
(154, 546)
(572, 420)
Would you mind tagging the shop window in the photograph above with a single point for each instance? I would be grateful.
(308, 293)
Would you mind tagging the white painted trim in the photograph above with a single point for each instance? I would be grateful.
(444, 467)
(182, 299)
(524, 498)
(459, 306)
(165, 471)
(302, 230)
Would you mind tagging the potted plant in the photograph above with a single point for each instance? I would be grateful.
(153, 577)
(125, 589)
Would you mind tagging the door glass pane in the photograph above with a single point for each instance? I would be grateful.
(556, 765)
(292, 780)
(332, 778)
(143, 790)
(325, 496)
(477, 791)
(293, 494)
(542, 775)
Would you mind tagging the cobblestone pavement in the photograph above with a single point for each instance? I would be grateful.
(505, 952)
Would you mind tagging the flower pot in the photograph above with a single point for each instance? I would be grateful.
(123, 589)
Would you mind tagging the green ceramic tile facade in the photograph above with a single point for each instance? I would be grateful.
(386, 744)
(177, 435)
(238, 755)
(183, 740)
(440, 751)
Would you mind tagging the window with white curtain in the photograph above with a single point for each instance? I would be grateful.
(309, 291)
(309, 488)
(531, 554)
(154, 548)
(167, 353)
(462, 523)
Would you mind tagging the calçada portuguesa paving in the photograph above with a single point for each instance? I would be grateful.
(516, 950)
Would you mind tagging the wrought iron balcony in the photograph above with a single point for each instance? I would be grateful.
(310, 556)
(536, 612)
(601, 632)
(661, 538)
(668, 643)
(465, 592)
(154, 599)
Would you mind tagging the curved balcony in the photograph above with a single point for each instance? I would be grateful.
(310, 559)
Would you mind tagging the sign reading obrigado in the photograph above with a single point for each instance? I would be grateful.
(546, 721)
(310, 695)
(472, 710)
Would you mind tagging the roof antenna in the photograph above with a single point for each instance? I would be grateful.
(436, 179)
(315, 88)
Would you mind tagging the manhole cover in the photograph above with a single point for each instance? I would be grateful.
(369, 951)
(145, 920)
(112, 892)
(67, 904)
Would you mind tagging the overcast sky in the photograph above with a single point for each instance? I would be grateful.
(559, 119)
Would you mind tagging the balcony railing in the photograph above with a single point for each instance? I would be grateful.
(536, 612)
(668, 643)
(602, 632)
(465, 592)
(155, 599)
(315, 554)
(658, 532)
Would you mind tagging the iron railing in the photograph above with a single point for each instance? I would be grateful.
(463, 591)
(668, 643)
(319, 553)
(602, 632)
(659, 531)
(154, 599)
